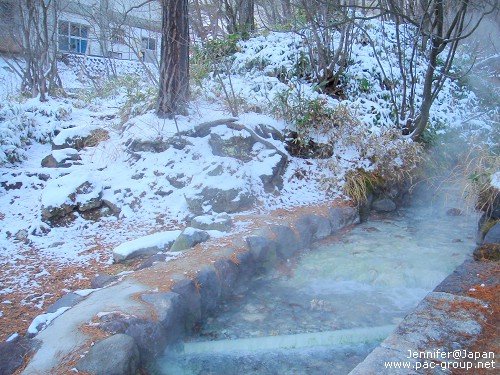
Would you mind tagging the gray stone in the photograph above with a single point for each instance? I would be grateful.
(247, 267)
(115, 355)
(101, 280)
(148, 335)
(384, 205)
(220, 200)
(169, 309)
(191, 298)
(341, 216)
(274, 180)
(189, 238)
(311, 227)
(13, 354)
(220, 222)
(263, 252)
(238, 147)
(493, 235)
(286, 241)
(68, 300)
(210, 290)
(227, 273)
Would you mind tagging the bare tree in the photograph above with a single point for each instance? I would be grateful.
(443, 25)
(174, 61)
(36, 62)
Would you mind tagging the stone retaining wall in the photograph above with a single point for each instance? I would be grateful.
(191, 300)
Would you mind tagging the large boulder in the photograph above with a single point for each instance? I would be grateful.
(220, 200)
(115, 355)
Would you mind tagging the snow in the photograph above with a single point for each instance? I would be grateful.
(159, 240)
(150, 189)
(43, 320)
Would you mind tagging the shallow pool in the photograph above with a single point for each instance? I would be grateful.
(324, 311)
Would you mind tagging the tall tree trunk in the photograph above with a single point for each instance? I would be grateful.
(174, 61)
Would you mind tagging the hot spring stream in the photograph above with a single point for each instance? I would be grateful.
(324, 311)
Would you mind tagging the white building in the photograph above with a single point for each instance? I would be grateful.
(123, 29)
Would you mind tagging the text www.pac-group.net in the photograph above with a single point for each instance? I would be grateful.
(438, 359)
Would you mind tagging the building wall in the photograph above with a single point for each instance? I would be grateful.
(94, 27)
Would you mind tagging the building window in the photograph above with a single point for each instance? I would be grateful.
(73, 37)
(118, 35)
(149, 44)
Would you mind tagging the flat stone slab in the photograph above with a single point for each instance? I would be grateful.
(64, 335)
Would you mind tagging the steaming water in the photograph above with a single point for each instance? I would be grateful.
(325, 311)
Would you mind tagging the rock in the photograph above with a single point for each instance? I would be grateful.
(148, 335)
(191, 298)
(170, 309)
(263, 252)
(83, 197)
(342, 216)
(115, 355)
(221, 222)
(454, 212)
(384, 205)
(286, 241)
(100, 280)
(79, 137)
(220, 200)
(68, 300)
(147, 245)
(227, 272)
(210, 290)
(112, 206)
(14, 353)
(274, 178)
(86, 198)
(21, 235)
(364, 208)
(156, 145)
(267, 131)
(63, 158)
(189, 238)
(178, 181)
(238, 147)
(312, 228)
(493, 235)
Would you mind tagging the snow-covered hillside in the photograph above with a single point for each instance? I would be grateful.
(140, 175)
